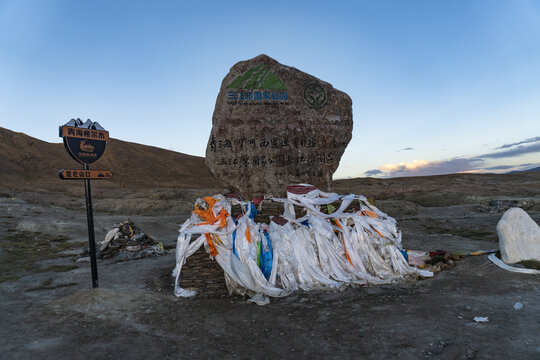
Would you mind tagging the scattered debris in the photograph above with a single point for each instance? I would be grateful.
(438, 260)
(433, 261)
(500, 206)
(417, 258)
(481, 319)
(127, 241)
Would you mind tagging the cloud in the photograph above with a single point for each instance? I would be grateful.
(424, 167)
(520, 150)
(373, 172)
(500, 167)
(526, 141)
(461, 164)
(413, 165)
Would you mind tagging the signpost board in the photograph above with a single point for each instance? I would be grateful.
(86, 142)
(84, 145)
(76, 174)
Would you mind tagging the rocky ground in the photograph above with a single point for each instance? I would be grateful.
(49, 310)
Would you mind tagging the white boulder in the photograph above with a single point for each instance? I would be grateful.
(519, 237)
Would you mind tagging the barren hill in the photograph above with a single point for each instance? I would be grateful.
(27, 160)
(446, 190)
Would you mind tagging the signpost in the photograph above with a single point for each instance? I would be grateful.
(76, 174)
(86, 143)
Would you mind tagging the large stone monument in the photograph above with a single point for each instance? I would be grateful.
(274, 125)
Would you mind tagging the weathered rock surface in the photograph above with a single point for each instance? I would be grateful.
(274, 125)
(519, 237)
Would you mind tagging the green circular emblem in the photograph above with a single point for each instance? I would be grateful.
(314, 95)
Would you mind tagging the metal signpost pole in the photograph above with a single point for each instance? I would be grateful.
(85, 143)
(91, 235)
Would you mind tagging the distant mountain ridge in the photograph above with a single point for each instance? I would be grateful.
(520, 171)
(27, 160)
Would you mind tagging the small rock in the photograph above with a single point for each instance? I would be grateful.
(519, 237)
(518, 306)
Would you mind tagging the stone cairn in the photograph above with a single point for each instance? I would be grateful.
(127, 241)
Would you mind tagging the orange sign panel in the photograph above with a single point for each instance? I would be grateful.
(82, 133)
(76, 174)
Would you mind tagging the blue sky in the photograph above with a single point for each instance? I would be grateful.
(437, 86)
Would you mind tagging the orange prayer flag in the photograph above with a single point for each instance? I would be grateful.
(213, 250)
(369, 213)
(248, 235)
(377, 231)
